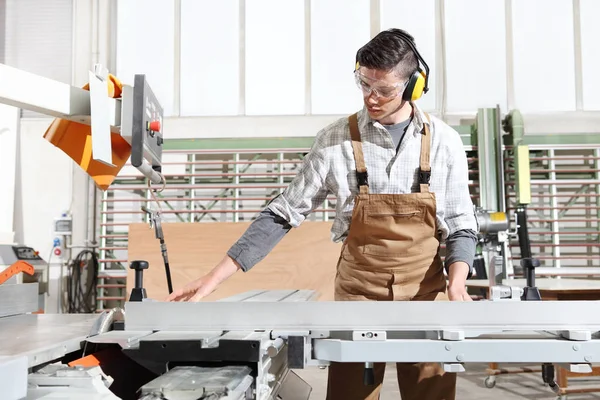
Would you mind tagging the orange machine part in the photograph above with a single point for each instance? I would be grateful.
(19, 266)
(97, 359)
(75, 140)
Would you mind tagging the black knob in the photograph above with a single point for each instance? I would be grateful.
(369, 376)
(139, 265)
(138, 293)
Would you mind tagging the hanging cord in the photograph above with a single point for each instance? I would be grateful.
(155, 218)
(82, 296)
(152, 190)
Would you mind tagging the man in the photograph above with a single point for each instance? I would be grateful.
(401, 181)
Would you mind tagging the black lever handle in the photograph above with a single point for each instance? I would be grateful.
(138, 293)
(369, 375)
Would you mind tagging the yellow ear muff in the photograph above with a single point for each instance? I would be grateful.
(419, 86)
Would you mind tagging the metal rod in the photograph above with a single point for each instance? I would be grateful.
(186, 199)
(226, 162)
(554, 204)
(221, 175)
(565, 158)
(560, 195)
(500, 183)
(562, 207)
(560, 171)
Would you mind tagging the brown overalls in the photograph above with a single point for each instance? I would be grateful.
(391, 254)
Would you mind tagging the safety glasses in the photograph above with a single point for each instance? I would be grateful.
(369, 86)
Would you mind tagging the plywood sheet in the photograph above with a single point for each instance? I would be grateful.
(304, 259)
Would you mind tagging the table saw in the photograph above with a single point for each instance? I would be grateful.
(248, 346)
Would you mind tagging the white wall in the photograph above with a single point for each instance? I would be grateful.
(285, 68)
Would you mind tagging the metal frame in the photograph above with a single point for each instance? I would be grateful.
(50, 97)
(364, 315)
(535, 349)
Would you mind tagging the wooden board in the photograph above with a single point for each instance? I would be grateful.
(306, 258)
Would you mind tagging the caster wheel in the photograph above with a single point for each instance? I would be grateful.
(490, 382)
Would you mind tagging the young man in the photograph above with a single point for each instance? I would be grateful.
(401, 182)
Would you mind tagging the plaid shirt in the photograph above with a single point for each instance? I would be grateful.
(329, 168)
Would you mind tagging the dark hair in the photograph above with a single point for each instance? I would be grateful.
(389, 50)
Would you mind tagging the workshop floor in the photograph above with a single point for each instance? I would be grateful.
(470, 385)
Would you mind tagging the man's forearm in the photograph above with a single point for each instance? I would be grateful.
(259, 239)
(460, 252)
(458, 273)
(223, 270)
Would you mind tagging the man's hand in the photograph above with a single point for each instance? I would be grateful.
(195, 290)
(205, 285)
(457, 282)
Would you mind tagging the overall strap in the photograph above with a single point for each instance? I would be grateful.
(361, 169)
(424, 164)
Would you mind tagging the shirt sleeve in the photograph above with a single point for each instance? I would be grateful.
(308, 190)
(459, 213)
(461, 246)
(263, 234)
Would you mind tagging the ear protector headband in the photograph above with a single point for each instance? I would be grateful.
(418, 83)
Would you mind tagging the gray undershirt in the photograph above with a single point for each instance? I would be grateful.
(397, 132)
(267, 230)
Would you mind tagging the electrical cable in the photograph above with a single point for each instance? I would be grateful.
(163, 245)
(82, 296)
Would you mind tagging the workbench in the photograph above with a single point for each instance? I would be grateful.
(44, 337)
(551, 289)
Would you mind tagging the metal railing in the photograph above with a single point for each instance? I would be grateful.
(564, 214)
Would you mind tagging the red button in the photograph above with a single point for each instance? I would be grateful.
(57, 252)
(155, 126)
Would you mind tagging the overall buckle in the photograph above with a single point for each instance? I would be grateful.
(363, 178)
(424, 177)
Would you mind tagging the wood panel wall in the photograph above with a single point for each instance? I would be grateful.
(306, 258)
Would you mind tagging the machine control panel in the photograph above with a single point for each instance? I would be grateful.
(26, 253)
(10, 254)
(147, 125)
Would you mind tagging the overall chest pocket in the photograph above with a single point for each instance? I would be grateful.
(394, 230)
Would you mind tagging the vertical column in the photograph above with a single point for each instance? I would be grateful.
(242, 58)
(236, 190)
(486, 153)
(307, 59)
(578, 55)
(192, 171)
(597, 168)
(375, 15)
(510, 72)
(554, 214)
(177, 57)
